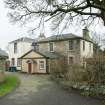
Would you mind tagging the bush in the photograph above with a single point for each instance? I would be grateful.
(61, 69)
(96, 70)
(58, 67)
(90, 79)
(76, 73)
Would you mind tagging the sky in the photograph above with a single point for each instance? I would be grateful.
(10, 32)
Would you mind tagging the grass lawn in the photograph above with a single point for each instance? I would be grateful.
(9, 83)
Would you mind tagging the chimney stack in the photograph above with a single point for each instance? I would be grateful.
(41, 36)
(86, 33)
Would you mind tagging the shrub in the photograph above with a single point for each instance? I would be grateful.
(76, 73)
(58, 67)
(96, 69)
(61, 69)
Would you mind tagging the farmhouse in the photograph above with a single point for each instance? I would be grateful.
(70, 46)
(34, 56)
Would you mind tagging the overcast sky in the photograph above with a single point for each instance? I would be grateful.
(9, 32)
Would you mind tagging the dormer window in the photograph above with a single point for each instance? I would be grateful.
(15, 47)
(70, 44)
(35, 46)
(51, 47)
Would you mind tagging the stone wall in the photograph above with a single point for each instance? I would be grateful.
(62, 47)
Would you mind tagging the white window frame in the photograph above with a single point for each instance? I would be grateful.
(72, 45)
(19, 61)
(90, 46)
(41, 68)
(53, 46)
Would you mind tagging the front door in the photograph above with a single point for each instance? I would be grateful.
(29, 67)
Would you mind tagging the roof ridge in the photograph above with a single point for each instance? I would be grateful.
(21, 39)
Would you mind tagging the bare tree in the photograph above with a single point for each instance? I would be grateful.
(59, 11)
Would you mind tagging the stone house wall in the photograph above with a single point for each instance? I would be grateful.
(34, 58)
(62, 47)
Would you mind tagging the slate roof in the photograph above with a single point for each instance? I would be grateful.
(51, 55)
(25, 39)
(62, 37)
(3, 53)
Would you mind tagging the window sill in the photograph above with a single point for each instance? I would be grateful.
(51, 51)
(42, 69)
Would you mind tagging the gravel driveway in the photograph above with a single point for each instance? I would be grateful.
(40, 90)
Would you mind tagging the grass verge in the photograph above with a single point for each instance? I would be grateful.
(7, 86)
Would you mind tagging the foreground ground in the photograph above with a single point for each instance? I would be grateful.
(40, 90)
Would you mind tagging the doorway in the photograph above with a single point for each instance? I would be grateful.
(29, 67)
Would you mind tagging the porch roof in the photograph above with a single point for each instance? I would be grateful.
(51, 55)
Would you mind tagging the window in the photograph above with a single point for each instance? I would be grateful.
(71, 45)
(15, 47)
(83, 45)
(90, 46)
(18, 62)
(77, 44)
(51, 47)
(41, 65)
(70, 60)
(13, 61)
